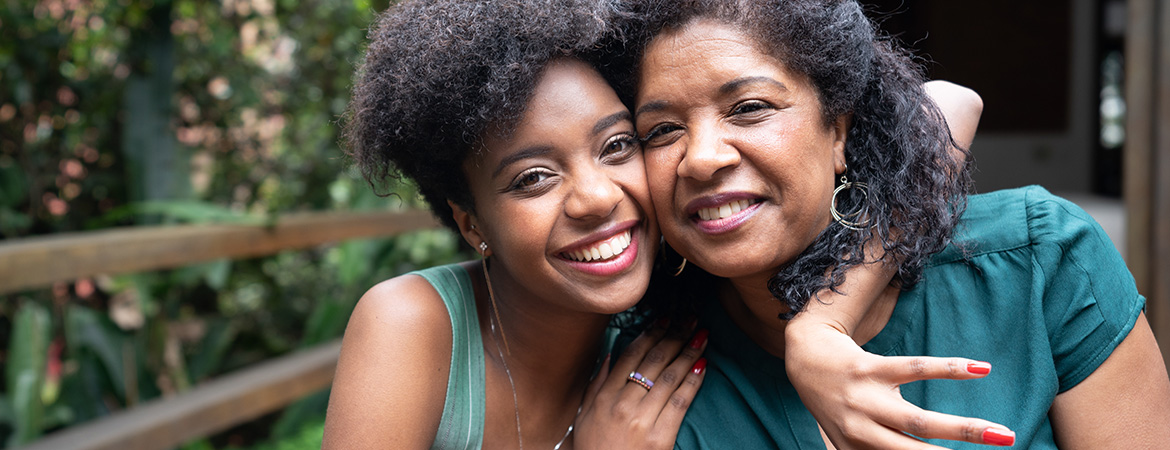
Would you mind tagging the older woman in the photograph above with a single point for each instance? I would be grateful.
(779, 137)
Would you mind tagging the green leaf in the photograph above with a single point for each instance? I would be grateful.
(27, 354)
(13, 186)
(187, 211)
(13, 223)
(327, 321)
(6, 416)
(215, 344)
(307, 411)
(93, 333)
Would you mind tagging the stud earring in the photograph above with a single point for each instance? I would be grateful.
(482, 247)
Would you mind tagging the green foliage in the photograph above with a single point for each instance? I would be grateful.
(258, 88)
(26, 371)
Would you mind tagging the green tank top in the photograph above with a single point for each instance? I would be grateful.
(463, 410)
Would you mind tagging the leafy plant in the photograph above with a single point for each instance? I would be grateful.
(249, 110)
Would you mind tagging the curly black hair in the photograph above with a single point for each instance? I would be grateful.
(439, 74)
(898, 142)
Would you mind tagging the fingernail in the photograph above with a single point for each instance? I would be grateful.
(702, 364)
(998, 436)
(699, 339)
(979, 368)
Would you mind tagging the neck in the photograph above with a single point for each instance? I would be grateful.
(755, 311)
(551, 352)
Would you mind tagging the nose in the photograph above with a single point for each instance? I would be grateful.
(594, 195)
(706, 153)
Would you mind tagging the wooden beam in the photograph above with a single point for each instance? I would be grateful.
(41, 261)
(217, 405)
(1147, 159)
(1158, 298)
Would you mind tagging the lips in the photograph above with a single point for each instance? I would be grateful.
(724, 212)
(601, 250)
(611, 255)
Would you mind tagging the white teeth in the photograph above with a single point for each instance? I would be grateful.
(724, 211)
(606, 249)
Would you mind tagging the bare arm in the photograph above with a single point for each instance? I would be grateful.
(1124, 404)
(391, 378)
(864, 409)
(961, 107)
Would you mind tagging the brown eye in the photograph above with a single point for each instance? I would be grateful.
(652, 138)
(749, 107)
(529, 179)
(619, 148)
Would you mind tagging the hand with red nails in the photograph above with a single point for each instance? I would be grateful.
(640, 401)
(856, 400)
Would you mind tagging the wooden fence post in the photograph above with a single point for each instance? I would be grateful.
(1147, 159)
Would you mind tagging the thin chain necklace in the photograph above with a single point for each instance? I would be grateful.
(504, 362)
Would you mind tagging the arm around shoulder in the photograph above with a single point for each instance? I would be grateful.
(391, 378)
(961, 106)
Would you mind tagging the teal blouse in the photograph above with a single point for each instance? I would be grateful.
(1033, 285)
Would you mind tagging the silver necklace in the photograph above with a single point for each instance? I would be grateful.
(504, 362)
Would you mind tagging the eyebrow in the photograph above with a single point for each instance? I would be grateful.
(733, 85)
(540, 150)
(657, 105)
(727, 88)
(610, 120)
(526, 153)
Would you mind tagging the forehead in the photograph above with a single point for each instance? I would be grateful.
(568, 100)
(567, 88)
(708, 51)
(703, 36)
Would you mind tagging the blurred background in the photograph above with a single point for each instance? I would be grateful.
(141, 141)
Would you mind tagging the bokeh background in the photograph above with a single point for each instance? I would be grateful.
(179, 113)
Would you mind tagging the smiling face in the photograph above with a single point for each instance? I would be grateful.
(562, 200)
(740, 162)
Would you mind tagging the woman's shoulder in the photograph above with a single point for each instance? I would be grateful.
(412, 303)
(394, 365)
(1026, 217)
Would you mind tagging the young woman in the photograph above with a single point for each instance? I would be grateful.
(495, 110)
(821, 137)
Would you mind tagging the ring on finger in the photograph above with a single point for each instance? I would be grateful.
(641, 380)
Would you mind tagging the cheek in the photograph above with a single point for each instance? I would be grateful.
(632, 178)
(661, 175)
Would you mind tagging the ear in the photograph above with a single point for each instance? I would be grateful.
(469, 228)
(840, 130)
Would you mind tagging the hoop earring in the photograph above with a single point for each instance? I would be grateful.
(682, 266)
(849, 220)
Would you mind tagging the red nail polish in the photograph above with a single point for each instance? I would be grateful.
(699, 339)
(998, 436)
(979, 368)
(702, 364)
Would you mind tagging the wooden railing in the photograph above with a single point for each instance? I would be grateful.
(224, 401)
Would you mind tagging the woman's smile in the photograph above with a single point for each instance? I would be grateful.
(740, 160)
(608, 256)
(563, 197)
(724, 212)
